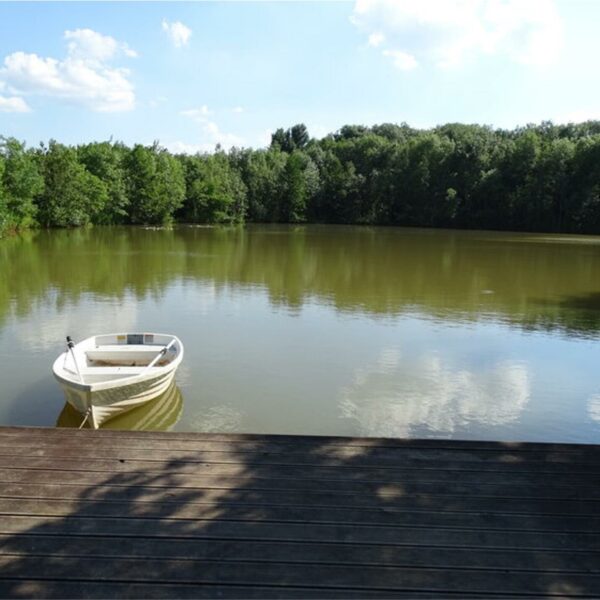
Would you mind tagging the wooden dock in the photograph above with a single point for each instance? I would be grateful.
(181, 515)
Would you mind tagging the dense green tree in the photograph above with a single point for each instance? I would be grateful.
(299, 135)
(4, 217)
(105, 161)
(215, 192)
(279, 140)
(288, 140)
(155, 184)
(467, 151)
(263, 175)
(293, 201)
(428, 196)
(394, 133)
(351, 131)
(584, 188)
(72, 196)
(21, 182)
(542, 177)
(550, 196)
(339, 200)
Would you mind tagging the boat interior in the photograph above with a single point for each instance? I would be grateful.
(108, 357)
(131, 356)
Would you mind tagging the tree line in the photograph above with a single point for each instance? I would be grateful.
(536, 178)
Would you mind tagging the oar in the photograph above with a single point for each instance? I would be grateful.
(159, 355)
(70, 346)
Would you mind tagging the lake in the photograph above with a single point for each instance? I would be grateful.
(327, 330)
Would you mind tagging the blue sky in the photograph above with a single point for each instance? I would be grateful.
(195, 74)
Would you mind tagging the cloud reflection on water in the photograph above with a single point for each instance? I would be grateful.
(594, 408)
(397, 395)
(46, 327)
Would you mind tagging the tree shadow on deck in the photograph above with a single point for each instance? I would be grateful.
(113, 514)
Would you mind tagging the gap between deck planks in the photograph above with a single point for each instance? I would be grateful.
(113, 514)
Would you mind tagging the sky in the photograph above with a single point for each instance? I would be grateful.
(193, 75)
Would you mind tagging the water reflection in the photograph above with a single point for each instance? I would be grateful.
(322, 330)
(160, 414)
(529, 281)
(217, 419)
(594, 408)
(397, 395)
(75, 319)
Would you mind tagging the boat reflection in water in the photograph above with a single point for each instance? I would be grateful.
(160, 414)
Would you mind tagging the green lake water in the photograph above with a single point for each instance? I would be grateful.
(320, 329)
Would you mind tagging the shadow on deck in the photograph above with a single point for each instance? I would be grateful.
(113, 514)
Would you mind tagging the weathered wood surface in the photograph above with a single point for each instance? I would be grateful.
(127, 514)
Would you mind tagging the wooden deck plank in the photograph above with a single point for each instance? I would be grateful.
(300, 514)
(265, 530)
(122, 462)
(160, 459)
(295, 441)
(273, 445)
(498, 484)
(306, 454)
(108, 514)
(553, 489)
(268, 498)
(30, 588)
(43, 588)
(329, 576)
(343, 464)
(302, 552)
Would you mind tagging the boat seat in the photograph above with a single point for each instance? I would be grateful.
(117, 370)
(136, 347)
(131, 352)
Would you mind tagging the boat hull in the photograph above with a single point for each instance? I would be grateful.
(160, 414)
(104, 404)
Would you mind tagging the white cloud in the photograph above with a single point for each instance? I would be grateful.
(156, 102)
(376, 39)
(238, 109)
(13, 104)
(396, 397)
(210, 130)
(579, 116)
(178, 33)
(401, 60)
(86, 44)
(179, 147)
(199, 114)
(451, 32)
(82, 77)
(318, 131)
(264, 138)
(226, 140)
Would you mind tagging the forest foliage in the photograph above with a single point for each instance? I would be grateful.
(536, 178)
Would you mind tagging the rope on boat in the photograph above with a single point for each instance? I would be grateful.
(88, 412)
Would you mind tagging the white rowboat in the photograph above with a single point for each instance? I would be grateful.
(106, 375)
